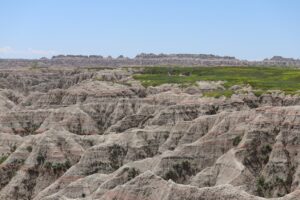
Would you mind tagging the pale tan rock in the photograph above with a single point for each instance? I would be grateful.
(99, 134)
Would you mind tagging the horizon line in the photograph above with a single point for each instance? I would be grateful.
(122, 56)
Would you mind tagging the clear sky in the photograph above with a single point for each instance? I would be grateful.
(247, 29)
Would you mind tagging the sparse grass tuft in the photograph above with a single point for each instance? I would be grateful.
(219, 93)
(258, 93)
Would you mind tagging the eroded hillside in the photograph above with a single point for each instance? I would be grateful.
(103, 135)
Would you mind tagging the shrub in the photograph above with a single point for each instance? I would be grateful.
(236, 141)
(90, 142)
(29, 148)
(179, 172)
(116, 154)
(132, 173)
(57, 167)
(257, 156)
(40, 159)
(266, 149)
(13, 148)
(265, 152)
(2, 159)
(67, 164)
(171, 174)
(260, 186)
(48, 165)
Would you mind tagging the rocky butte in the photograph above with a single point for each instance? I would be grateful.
(88, 127)
(146, 60)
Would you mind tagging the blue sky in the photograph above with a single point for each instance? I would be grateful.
(247, 29)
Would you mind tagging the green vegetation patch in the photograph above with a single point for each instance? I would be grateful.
(3, 158)
(58, 167)
(260, 78)
(218, 93)
(180, 172)
(236, 141)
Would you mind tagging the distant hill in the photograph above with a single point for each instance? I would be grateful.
(144, 59)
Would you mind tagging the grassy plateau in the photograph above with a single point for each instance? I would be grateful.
(261, 79)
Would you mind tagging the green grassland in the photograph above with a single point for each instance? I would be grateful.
(260, 78)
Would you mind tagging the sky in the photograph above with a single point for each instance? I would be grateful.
(246, 29)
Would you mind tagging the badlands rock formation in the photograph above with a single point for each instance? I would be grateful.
(94, 61)
(99, 134)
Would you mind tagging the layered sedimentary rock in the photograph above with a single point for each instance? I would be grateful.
(94, 61)
(99, 134)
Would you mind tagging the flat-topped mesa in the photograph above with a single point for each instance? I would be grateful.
(69, 56)
(148, 56)
(279, 60)
(150, 59)
(182, 56)
(143, 59)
